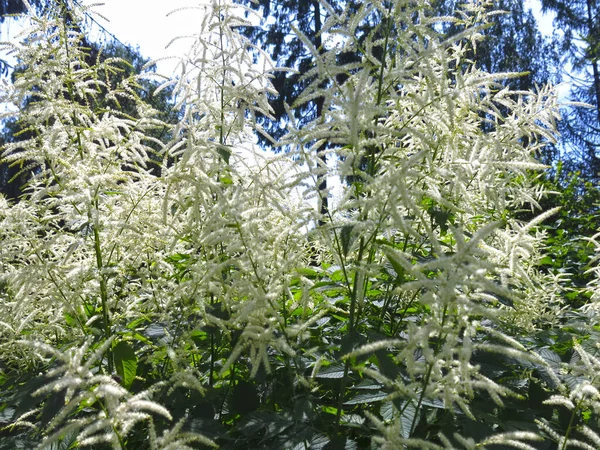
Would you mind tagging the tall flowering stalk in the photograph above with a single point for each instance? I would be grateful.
(65, 243)
(87, 228)
(228, 207)
(435, 156)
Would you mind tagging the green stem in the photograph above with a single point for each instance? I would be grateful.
(107, 414)
(212, 350)
(103, 289)
(564, 445)
(426, 379)
(351, 328)
(404, 312)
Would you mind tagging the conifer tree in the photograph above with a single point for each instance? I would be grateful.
(579, 20)
(512, 42)
(8, 7)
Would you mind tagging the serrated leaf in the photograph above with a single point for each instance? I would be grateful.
(387, 411)
(394, 260)
(125, 363)
(436, 403)
(351, 342)
(319, 442)
(332, 371)
(552, 358)
(367, 384)
(350, 445)
(322, 321)
(572, 382)
(407, 417)
(389, 269)
(155, 331)
(386, 365)
(54, 402)
(366, 397)
(352, 420)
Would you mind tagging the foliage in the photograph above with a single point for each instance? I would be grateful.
(580, 45)
(568, 250)
(172, 294)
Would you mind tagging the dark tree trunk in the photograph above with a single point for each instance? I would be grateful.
(321, 151)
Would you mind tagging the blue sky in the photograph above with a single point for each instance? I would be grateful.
(147, 24)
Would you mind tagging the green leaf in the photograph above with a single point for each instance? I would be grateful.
(54, 402)
(199, 336)
(366, 397)
(332, 371)
(407, 418)
(318, 442)
(324, 285)
(552, 358)
(224, 152)
(502, 298)
(386, 365)
(155, 331)
(308, 273)
(352, 420)
(178, 257)
(226, 179)
(394, 260)
(125, 363)
(572, 381)
(367, 384)
(351, 341)
(346, 238)
(387, 411)
(69, 319)
(441, 217)
(586, 415)
(141, 338)
(329, 410)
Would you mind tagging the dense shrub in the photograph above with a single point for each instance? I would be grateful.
(200, 304)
